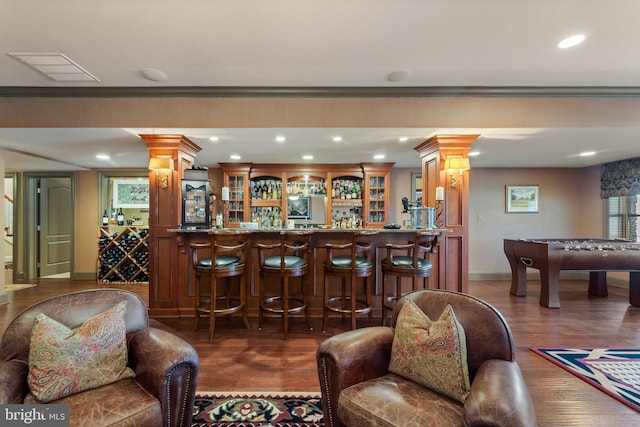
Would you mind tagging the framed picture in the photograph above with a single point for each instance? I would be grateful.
(522, 198)
(130, 193)
(416, 187)
(299, 208)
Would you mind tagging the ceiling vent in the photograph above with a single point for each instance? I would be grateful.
(55, 66)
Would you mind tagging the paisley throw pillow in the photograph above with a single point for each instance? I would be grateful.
(63, 361)
(433, 354)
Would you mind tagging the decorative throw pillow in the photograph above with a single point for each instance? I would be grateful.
(63, 361)
(433, 354)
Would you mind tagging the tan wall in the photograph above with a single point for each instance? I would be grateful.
(87, 220)
(569, 198)
(569, 207)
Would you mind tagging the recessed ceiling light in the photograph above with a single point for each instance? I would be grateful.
(235, 157)
(398, 76)
(154, 75)
(403, 139)
(337, 138)
(587, 153)
(103, 156)
(474, 153)
(379, 156)
(280, 138)
(307, 157)
(214, 139)
(571, 41)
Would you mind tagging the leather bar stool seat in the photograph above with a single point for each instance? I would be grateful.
(357, 264)
(406, 260)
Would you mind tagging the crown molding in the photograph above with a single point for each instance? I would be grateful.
(322, 92)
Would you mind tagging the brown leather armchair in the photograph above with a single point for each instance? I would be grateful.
(166, 367)
(358, 390)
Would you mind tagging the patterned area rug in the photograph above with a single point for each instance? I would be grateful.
(614, 371)
(257, 409)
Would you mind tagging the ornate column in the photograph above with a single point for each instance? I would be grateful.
(165, 204)
(454, 246)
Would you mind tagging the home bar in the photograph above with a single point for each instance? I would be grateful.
(330, 200)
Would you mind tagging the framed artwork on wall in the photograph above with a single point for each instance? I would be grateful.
(416, 187)
(522, 198)
(130, 193)
(299, 208)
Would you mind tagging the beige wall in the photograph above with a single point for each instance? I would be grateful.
(569, 198)
(87, 221)
(569, 207)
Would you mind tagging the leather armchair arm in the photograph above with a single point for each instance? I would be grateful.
(167, 367)
(499, 397)
(13, 381)
(350, 358)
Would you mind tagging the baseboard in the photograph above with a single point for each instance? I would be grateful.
(564, 275)
(84, 276)
(531, 275)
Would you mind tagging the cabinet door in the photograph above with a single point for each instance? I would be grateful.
(376, 199)
(237, 208)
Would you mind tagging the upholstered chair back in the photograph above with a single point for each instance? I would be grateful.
(488, 335)
(72, 310)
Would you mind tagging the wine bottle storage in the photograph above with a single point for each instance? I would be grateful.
(266, 188)
(346, 188)
(123, 255)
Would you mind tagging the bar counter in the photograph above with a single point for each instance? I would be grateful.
(313, 281)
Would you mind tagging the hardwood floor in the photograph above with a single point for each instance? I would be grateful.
(241, 360)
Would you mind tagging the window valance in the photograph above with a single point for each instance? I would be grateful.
(620, 178)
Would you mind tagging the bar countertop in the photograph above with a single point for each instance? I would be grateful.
(315, 230)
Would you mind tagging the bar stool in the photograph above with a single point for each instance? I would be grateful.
(291, 261)
(227, 247)
(406, 260)
(353, 266)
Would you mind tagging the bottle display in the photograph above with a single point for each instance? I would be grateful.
(123, 255)
(267, 217)
(266, 189)
(346, 189)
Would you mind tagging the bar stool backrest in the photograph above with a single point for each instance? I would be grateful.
(229, 244)
(422, 244)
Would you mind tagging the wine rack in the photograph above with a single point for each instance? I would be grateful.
(123, 255)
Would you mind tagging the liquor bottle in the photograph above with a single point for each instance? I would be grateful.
(120, 217)
(105, 219)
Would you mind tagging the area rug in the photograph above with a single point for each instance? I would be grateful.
(257, 409)
(614, 371)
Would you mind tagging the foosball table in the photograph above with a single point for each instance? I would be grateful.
(550, 256)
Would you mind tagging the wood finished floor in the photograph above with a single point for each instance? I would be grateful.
(241, 360)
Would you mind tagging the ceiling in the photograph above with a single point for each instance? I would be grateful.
(327, 44)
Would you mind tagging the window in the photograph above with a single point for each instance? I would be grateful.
(623, 217)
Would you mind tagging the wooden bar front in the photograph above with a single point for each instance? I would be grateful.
(183, 271)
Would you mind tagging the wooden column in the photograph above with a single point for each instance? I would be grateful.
(454, 246)
(165, 206)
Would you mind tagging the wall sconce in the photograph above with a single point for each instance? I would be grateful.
(456, 162)
(161, 163)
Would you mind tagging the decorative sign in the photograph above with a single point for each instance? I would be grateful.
(130, 193)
